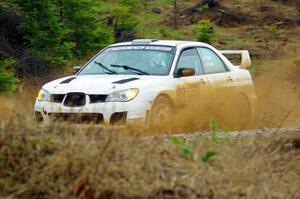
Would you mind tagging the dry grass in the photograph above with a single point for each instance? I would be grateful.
(74, 162)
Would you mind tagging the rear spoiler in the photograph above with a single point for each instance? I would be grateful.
(245, 56)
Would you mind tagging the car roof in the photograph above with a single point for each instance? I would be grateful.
(173, 43)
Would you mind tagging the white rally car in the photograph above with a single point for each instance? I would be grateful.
(145, 80)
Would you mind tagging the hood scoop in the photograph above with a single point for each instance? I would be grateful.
(123, 81)
(66, 81)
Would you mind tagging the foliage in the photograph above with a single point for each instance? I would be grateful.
(119, 17)
(132, 4)
(214, 126)
(186, 149)
(83, 29)
(8, 82)
(190, 149)
(204, 31)
(275, 31)
(208, 155)
(218, 132)
(42, 30)
(203, 8)
(58, 31)
(3, 4)
(53, 28)
(164, 33)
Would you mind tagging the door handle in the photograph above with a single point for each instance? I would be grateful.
(202, 81)
(229, 79)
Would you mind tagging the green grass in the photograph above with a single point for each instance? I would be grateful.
(152, 25)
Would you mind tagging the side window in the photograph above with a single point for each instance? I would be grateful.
(190, 59)
(211, 62)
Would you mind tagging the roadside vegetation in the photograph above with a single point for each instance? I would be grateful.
(78, 162)
(49, 35)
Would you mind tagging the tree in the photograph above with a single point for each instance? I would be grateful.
(175, 14)
(55, 30)
(175, 6)
(43, 32)
(83, 28)
(8, 82)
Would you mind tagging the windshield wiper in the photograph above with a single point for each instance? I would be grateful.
(135, 70)
(109, 71)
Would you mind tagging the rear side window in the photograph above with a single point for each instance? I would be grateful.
(211, 62)
(190, 59)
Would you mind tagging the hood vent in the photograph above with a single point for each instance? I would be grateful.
(66, 81)
(123, 81)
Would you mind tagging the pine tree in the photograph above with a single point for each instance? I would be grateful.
(84, 30)
(55, 30)
(43, 32)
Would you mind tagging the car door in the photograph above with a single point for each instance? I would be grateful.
(196, 89)
(219, 75)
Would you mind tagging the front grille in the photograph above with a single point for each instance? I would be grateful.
(57, 98)
(97, 98)
(75, 100)
(82, 118)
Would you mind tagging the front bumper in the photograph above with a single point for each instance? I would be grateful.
(106, 112)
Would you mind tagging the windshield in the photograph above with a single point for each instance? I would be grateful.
(138, 60)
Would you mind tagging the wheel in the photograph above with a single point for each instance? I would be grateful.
(238, 116)
(161, 115)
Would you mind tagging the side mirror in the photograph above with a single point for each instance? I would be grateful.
(76, 69)
(184, 72)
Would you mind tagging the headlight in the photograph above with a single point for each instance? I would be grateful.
(123, 96)
(43, 96)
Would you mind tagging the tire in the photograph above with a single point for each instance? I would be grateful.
(239, 117)
(161, 115)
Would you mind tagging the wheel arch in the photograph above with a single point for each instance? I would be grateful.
(167, 96)
(245, 96)
(170, 102)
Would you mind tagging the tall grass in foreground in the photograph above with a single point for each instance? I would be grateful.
(89, 162)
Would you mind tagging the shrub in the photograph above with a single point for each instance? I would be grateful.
(205, 31)
(275, 31)
(119, 17)
(8, 82)
(203, 8)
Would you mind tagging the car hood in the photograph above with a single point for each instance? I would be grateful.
(96, 84)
